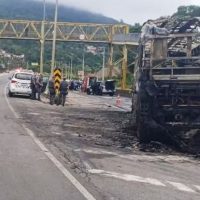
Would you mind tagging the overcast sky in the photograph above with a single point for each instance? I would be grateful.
(130, 11)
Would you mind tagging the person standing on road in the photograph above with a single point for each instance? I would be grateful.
(39, 84)
(63, 91)
(52, 91)
(33, 86)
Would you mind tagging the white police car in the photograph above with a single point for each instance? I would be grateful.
(20, 83)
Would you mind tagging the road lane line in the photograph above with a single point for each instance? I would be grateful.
(151, 181)
(57, 163)
(181, 186)
(9, 105)
(148, 158)
(127, 177)
(197, 186)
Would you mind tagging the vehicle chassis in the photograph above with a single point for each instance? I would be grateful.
(166, 95)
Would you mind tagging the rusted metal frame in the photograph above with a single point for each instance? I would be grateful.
(181, 58)
(189, 46)
(186, 67)
(151, 62)
(174, 42)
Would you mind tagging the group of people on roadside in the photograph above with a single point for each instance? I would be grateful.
(36, 86)
(59, 96)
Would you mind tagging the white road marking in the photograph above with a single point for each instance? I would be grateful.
(148, 158)
(9, 105)
(127, 177)
(197, 186)
(57, 163)
(56, 133)
(33, 113)
(151, 181)
(181, 186)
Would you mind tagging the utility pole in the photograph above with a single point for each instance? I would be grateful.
(71, 69)
(103, 66)
(54, 38)
(68, 70)
(83, 62)
(42, 40)
(124, 67)
(27, 65)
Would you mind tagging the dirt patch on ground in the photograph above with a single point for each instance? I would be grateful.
(99, 127)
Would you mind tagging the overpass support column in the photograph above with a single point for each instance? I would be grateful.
(124, 67)
(42, 48)
(110, 62)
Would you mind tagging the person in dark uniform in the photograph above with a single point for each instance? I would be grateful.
(63, 91)
(39, 84)
(52, 91)
(33, 86)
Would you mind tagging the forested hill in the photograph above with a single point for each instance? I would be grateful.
(33, 10)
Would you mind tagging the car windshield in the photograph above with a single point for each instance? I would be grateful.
(23, 76)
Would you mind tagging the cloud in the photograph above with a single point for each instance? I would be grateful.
(130, 11)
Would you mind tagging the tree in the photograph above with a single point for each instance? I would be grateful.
(136, 28)
(188, 11)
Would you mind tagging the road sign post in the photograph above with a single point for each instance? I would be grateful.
(57, 77)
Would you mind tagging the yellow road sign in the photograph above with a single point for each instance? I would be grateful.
(58, 75)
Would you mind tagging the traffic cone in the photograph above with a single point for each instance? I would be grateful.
(118, 101)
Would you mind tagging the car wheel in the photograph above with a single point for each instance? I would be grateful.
(111, 94)
(10, 94)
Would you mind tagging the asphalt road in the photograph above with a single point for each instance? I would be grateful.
(76, 138)
(26, 173)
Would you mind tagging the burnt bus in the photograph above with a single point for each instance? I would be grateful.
(166, 94)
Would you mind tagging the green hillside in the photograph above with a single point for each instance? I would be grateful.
(33, 10)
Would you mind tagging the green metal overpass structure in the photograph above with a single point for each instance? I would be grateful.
(111, 34)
